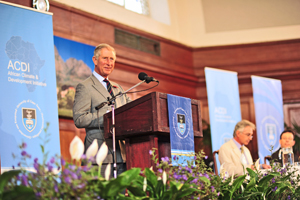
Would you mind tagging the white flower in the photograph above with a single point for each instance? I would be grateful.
(248, 177)
(257, 164)
(164, 177)
(107, 172)
(151, 168)
(102, 153)
(76, 148)
(222, 169)
(231, 180)
(223, 172)
(145, 184)
(92, 150)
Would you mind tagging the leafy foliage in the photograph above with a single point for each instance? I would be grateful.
(168, 182)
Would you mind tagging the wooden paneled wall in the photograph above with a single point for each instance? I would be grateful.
(180, 69)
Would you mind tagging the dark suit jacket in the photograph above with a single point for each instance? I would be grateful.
(89, 94)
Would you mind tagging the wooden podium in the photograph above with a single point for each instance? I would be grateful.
(144, 124)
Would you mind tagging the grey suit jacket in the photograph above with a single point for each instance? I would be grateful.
(230, 155)
(89, 94)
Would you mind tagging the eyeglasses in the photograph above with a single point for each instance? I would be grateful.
(289, 139)
(248, 135)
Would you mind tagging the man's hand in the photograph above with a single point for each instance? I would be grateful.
(265, 166)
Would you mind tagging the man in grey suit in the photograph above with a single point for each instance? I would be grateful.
(234, 154)
(92, 92)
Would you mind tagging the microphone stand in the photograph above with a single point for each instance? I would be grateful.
(114, 137)
(111, 102)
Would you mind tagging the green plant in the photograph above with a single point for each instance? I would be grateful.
(76, 182)
(71, 182)
(296, 128)
(195, 173)
(150, 186)
(170, 182)
(277, 183)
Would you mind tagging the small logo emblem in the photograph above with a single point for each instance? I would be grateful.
(271, 133)
(181, 123)
(29, 118)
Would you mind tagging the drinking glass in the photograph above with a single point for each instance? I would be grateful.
(287, 156)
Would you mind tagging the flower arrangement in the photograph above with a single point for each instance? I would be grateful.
(192, 181)
(278, 183)
(195, 173)
(86, 182)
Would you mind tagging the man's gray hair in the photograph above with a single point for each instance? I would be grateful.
(241, 125)
(97, 50)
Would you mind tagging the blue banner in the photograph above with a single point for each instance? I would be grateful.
(224, 105)
(181, 129)
(267, 94)
(28, 84)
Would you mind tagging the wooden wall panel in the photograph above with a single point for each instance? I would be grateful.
(204, 112)
(251, 54)
(291, 90)
(67, 132)
(292, 114)
(180, 56)
(27, 3)
(279, 60)
(248, 112)
(77, 25)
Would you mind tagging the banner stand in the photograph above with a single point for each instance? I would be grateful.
(224, 105)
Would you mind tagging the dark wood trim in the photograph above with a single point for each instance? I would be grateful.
(256, 44)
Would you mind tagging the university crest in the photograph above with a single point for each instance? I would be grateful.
(271, 133)
(181, 125)
(29, 118)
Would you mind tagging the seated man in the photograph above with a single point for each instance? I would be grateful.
(286, 140)
(234, 154)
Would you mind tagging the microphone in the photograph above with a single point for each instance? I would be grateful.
(144, 77)
(100, 105)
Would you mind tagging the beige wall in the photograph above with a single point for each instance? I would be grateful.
(189, 20)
